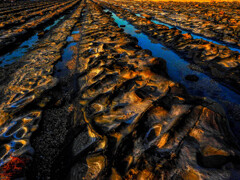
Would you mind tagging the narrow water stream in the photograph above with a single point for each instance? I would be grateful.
(27, 45)
(178, 69)
(54, 23)
(195, 36)
(61, 69)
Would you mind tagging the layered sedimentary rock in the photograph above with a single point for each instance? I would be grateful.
(22, 100)
(26, 24)
(216, 60)
(137, 122)
(215, 20)
(125, 118)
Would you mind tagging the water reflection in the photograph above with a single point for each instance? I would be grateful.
(195, 36)
(178, 68)
(15, 55)
(61, 69)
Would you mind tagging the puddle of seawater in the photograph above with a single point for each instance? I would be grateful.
(70, 39)
(10, 57)
(195, 36)
(178, 68)
(162, 23)
(13, 56)
(75, 32)
(55, 23)
(61, 69)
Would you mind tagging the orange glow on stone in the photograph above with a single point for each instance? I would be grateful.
(12, 168)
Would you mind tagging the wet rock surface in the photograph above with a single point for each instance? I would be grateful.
(132, 122)
(26, 94)
(28, 23)
(218, 20)
(216, 60)
(145, 121)
(115, 115)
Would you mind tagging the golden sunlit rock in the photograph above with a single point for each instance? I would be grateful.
(80, 97)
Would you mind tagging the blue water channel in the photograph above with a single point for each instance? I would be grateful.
(178, 68)
(61, 69)
(195, 36)
(15, 55)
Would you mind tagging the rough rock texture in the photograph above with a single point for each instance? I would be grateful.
(25, 95)
(218, 20)
(13, 35)
(216, 60)
(137, 123)
(116, 115)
